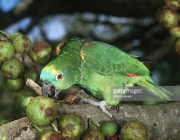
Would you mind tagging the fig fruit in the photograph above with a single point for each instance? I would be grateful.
(92, 134)
(134, 130)
(15, 84)
(71, 125)
(50, 135)
(12, 68)
(41, 53)
(42, 110)
(21, 43)
(108, 128)
(22, 99)
(6, 50)
(172, 4)
(175, 31)
(167, 17)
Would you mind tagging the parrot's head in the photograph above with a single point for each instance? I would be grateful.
(57, 77)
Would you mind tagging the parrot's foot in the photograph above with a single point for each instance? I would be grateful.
(102, 104)
(116, 108)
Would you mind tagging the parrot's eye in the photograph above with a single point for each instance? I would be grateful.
(59, 76)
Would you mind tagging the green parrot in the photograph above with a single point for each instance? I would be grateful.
(97, 67)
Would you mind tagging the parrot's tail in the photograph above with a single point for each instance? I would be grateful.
(155, 89)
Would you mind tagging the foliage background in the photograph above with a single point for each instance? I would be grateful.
(126, 24)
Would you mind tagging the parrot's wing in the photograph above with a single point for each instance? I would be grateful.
(109, 60)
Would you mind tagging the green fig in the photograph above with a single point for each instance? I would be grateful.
(12, 68)
(92, 134)
(50, 135)
(28, 73)
(22, 99)
(134, 130)
(108, 128)
(42, 110)
(167, 17)
(41, 53)
(21, 43)
(172, 4)
(15, 84)
(71, 125)
(175, 31)
(6, 50)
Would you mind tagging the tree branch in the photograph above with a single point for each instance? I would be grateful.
(161, 120)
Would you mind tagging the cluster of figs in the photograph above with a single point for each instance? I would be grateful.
(13, 69)
(169, 17)
(43, 111)
(70, 126)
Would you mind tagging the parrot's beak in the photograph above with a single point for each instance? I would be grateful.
(49, 89)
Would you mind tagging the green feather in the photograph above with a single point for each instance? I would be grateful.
(108, 60)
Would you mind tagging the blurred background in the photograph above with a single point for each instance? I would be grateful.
(126, 24)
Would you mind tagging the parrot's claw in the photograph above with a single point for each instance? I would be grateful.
(116, 108)
(102, 104)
